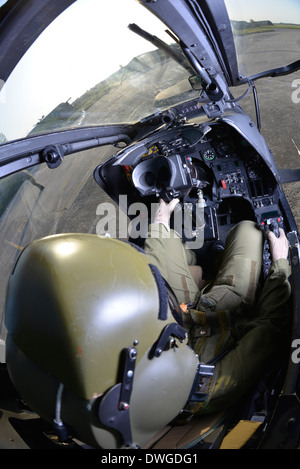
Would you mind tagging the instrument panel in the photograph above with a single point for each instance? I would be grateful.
(221, 163)
(213, 162)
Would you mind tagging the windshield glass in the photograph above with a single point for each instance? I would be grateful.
(90, 68)
(266, 33)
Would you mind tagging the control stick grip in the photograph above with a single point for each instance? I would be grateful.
(274, 228)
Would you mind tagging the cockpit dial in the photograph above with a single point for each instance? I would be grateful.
(209, 154)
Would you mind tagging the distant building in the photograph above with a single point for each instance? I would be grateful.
(239, 25)
(3, 139)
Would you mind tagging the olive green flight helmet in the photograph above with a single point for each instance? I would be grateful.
(92, 344)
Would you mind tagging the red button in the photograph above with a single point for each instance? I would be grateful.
(223, 184)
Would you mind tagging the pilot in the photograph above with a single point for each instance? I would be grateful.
(236, 321)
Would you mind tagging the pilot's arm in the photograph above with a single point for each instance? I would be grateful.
(277, 289)
(166, 249)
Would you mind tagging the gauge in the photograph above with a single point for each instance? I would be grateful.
(225, 148)
(209, 154)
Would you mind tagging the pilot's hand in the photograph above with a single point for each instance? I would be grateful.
(164, 212)
(279, 247)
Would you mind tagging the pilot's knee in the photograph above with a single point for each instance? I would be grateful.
(247, 226)
(246, 233)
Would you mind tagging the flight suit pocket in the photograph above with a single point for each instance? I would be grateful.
(241, 276)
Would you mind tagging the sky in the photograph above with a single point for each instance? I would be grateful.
(68, 58)
(277, 11)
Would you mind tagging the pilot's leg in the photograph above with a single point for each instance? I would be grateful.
(265, 341)
(237, 280)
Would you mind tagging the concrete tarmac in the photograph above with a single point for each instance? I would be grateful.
(279, 99)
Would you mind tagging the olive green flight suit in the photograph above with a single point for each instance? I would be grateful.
(231, 313)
